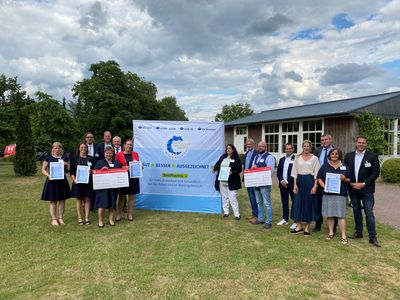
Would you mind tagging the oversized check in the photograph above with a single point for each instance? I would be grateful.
(258, 177)
(110, 179)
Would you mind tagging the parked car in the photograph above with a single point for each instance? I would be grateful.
(40, 153)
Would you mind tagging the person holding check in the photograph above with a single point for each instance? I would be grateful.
(334, 178)
(56, 188)
(124, 158)
(228, 168)
(82, 186)
(106, 198)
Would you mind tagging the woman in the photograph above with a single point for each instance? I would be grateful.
(106, 198)
(304, 173)
(334, 205)
(228, 189)
(55, 190)
(82, 191)
(134, 188)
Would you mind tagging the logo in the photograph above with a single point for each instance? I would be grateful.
(176, 148)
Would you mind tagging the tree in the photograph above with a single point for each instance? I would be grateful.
(51, 122)
(170, 110)
(233, 112)
(373, 128)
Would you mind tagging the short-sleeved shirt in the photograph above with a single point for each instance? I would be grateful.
(343, 169)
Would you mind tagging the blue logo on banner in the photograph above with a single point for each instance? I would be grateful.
(175, 148)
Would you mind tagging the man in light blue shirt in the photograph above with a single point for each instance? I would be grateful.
(251, 153)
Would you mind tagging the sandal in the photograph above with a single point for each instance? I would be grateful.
(330, 237)
(130, 219)
(87, 222)
(80, 222)
(61, 221)
(296, 231)
(54, 223)
(344, 241)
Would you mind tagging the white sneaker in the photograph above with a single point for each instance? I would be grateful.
(282, 222)
(293, 226)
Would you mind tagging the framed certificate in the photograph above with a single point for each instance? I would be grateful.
(57, 170)
(224, 173)
(332, 183)
(135, 169)
(82, 174)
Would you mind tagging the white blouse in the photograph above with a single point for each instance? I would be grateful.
(305, 167)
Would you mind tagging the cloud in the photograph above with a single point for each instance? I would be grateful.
(93, 17)
(268, 26)
(349, 73)
(294, 76)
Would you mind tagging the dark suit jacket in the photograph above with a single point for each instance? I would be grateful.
(365, 174)
(234, 179)
(99, 152)
(279, 172)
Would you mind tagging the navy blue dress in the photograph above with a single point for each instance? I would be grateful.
(55, 190)
(106, 198)
(304, 208)
(81, 190)
(134, 186)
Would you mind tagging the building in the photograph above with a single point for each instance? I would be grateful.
(295, 124)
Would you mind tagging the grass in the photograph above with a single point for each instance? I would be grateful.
(180, 255)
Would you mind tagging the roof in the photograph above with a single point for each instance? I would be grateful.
(321, 109)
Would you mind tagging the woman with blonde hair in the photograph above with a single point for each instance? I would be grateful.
(304, 173)
(55, 190)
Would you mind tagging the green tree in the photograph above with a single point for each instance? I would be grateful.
(169, 110)
(233, 112)
(51, 122)
(373, 128)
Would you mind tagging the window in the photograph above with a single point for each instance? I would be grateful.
(312, 130)
(241, 130)
(290, 134)
(272, 137)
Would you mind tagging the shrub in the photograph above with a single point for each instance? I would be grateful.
(390, 170)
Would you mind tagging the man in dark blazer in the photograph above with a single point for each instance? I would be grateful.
(322, 154)
(89, 139)
(364, 169)
(286, 181)
(99, 154)
(251, 153)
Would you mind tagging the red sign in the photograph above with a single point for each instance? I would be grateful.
(262, 169)
(10, 150)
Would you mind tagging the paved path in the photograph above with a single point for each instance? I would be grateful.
(387, 204)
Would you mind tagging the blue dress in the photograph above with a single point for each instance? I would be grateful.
(106, 198)
(304, 208)
(55, 190)
(81, 190)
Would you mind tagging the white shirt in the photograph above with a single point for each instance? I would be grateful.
(90, 149)
(286, 164)
(357, 163)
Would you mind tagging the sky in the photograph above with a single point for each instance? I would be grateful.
(208, 53)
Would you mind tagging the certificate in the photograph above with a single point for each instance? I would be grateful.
(82, 174)
(110, 179)
(258, 177)
(56, 170)
(135, 169)
(224, 173)
(332, 183)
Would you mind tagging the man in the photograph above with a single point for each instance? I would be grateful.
(100, 147)
(263, 193)
(251, 153)
(286, 181)
(364, 169)
(322, 154)
(116, 144)
(89, 143)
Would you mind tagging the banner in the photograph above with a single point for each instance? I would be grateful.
(177, 159)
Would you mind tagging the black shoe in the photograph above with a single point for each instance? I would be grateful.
(306, 233)
(237, 218)
(111, 224)
(296, 231)
(267, 226)
(226, 215)
(356, 236)
(375, 242)
(317, 229)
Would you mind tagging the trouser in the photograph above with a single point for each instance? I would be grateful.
(253, 201)
(229, 197)
(285, 193)
(368, 201)
(263, 197)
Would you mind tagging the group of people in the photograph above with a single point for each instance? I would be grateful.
(302, 178)
(103, 156)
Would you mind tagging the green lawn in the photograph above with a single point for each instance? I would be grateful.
(180, 255)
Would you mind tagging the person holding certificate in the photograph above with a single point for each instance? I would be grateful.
(228, 169)
(56, 188)
(106, 198)
(304, 173)
(129, 159)
(82, 187)
(334, 178)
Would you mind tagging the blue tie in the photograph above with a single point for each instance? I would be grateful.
(325, 156)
